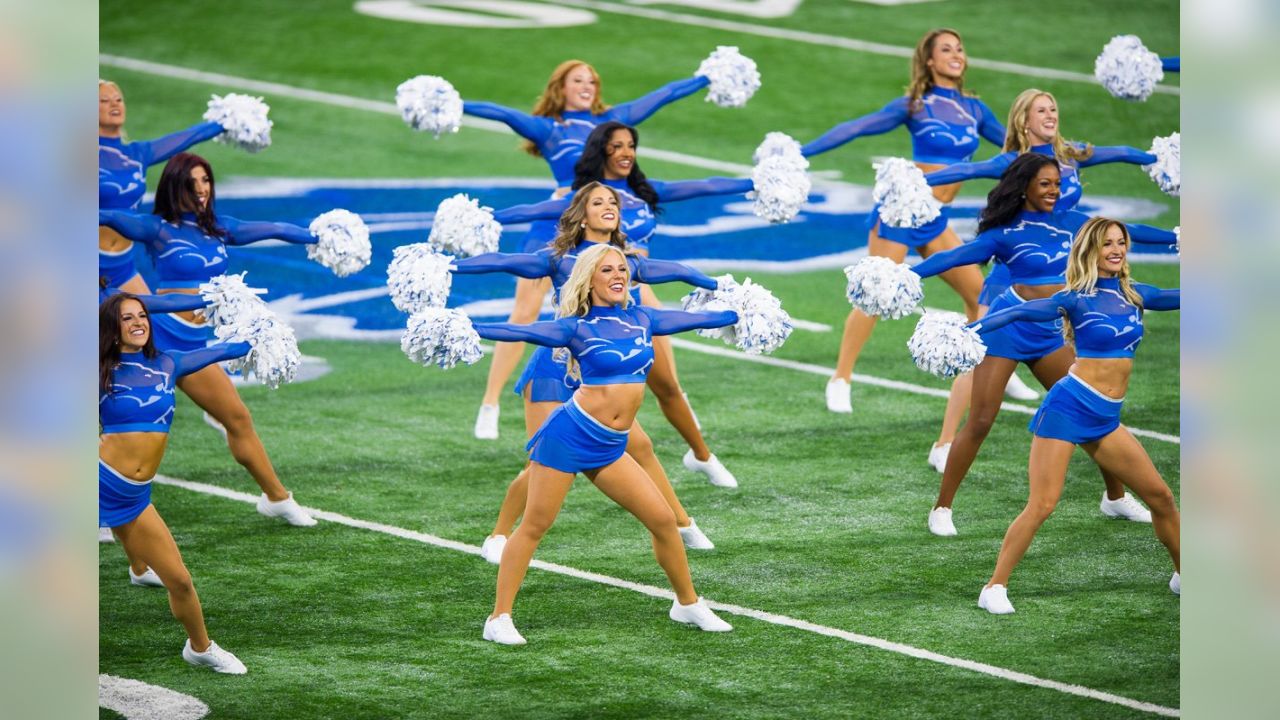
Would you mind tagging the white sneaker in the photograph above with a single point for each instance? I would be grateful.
(698, 614)
(938, 456)
(995, 600)
(1175, 584)
(1018, 390)
(105, 536)
(940, 522)
(492, 548)
(693, 537)
(1125, 508)
(146, 579)
(289, 509)
(716, 472)
(839, 396)
(487, 423)
(212, 422)
(696, 423)
(215, 658)
(502, 631)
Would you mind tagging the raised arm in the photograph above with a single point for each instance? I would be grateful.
(555, 333)
(185, 363)
(163, 148)
(877, 123)
(1153, 298)
(685, 189)
(243, 232)
(992, 168)
(670, 322)
(530, 127)
(545, 210)
(640, 109)
(134, 226)
(525, 265)
(982, 249)
(1033, 311)
(1171, 64)
(1150, 234)
(1118, 153)
(656, 272)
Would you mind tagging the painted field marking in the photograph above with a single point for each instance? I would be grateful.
(137, 700)
(657, 592)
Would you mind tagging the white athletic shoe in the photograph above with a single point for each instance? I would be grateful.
(215, 658)
(1175, 584)
(940, 522)
(105, 536)
(693, 537)
(839, 396)
(287, 509)
(995, 600)
(938, 456)
(146, 579)
(212, 422)
(1125, 508)
(1018, 390)
(715, 471)
(698, 614)
(487, 423)
(696, 423)
(502, 631)
(492, 548)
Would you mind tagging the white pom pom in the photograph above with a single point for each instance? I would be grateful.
(344, 242)
(944, 345)
(903, 194)
(781, 187)
(440, 337)
(463, 228)
(1167, 169)
(734, 77)
(762, 324)
(781, 144)
(881, 287)
(419, 277)
(243, 119)
(430, 104)
(1177, 240)
(1127, 69)
(237, 314)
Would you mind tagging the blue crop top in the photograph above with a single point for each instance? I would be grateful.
(612, 344)
(561, 141)
(141, 397)
(122, 166)
(1034, 247)
(184, 255)
(638, 219)
(1106, 325)
(944, 129)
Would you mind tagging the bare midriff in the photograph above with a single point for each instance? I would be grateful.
(135, 455)
(614, 406)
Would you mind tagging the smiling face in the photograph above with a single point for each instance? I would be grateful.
(1042, 191)
(947, 62)
(609, 282)
(111, 110)
(580, 88)
(201, 185)
(1042, 120)
(620, 154)
(1113, 253)
(602, 214)
(135, 326)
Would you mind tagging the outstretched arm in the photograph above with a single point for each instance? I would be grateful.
(1153, 298)
(545, 210)
(243, 232)
(555, 333)
(1150, 234)
(163, 148)
(167, 303)
(656, 272)
(989, 126)
(530, 127)
(685, 189)
(1171, 64)
(877, 123)
(982, 249)
(1118, 153)
(670, 322)
(992, 168)
(1033, 311)
(640, 109)
(134, 226)
(525, 265)
(185, 363)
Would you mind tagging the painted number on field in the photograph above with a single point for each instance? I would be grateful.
(476, 13)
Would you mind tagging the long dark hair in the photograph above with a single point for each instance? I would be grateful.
(109, 338)
(1008, 197)
(176, 193)
(590, 167)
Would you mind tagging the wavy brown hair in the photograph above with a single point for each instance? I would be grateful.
(572, 226)
(921, 75)
(109, 338)
(176, 194)
(1082, 265)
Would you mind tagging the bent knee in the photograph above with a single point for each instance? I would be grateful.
(639, 444)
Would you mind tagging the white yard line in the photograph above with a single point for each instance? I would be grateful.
(657, 592)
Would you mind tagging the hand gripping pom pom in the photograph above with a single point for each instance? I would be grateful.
(243, 119)
(463, 228)
(943, 345)
(1167, 169)
(419, 277)
(436, 336)
(762, 324)
(881, 287)
(904, 196)
(237, 314)
(344, 242)
(781, 187)
(734, 77)
(430, 104)
(1127, 69)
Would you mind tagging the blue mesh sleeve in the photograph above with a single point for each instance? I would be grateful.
(555, 333)
(640, 109)
(877, 123)
(530, 127)
(163, 148)
(656, 272)
(670, 322)
(677, 190)
(134, 226)
(185, 363)
(1154, 298)
(243, 232)
(525, 265)
(982, 249)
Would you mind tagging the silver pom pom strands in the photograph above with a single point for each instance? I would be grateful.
(945, 346)
(1167, 169)
(1127, 69)
(243, 119)
(780, 178)
(429, 103)
(419, 277)
(343, 245)
(237, 314)
(436, 336)
(463, 228)
(905, 198)
(881, 287)
(762, 327)
(734, 77)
